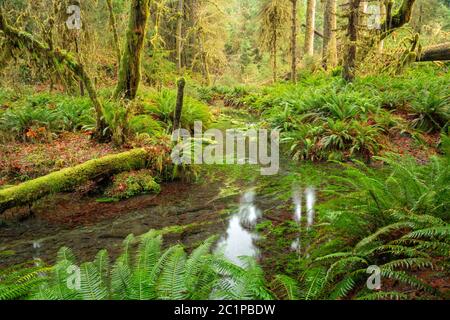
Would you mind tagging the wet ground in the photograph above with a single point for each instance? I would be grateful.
(229, 201)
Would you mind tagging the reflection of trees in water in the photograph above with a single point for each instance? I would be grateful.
(239, 239)
(309, 194)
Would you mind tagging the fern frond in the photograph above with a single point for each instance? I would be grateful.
(171, 285)
(383, 295)
(92, 286)
(286, 285)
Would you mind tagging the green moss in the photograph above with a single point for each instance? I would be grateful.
(129, 184)
(69, 178)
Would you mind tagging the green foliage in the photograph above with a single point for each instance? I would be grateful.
(17, 281)
(398, 222)
(324, 118)
(129, 184)
(53, 112)
(162, 106)
(145, 124)
(149, 274)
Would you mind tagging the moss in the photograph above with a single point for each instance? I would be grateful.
(129, 184)
(69, 178)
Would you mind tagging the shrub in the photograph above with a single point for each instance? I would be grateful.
(145, 124)
(431, 110)
(53, 112)
(162, 105)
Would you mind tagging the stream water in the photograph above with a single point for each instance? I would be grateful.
(195, 211)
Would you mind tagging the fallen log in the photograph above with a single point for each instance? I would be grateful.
(68, 178)
(440, 52)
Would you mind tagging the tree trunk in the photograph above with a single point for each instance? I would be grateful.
(274, 57)
(310, 25)
(397, 20)
(22, 39)
(383, 15)
(440, 52)
(113, 25)
(316, 32)
(179, 40)
(352, 39)
(179, 107)
(130, 63)
(329, 53)
(294, 42)
(66, 179)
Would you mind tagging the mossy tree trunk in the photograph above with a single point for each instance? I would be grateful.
(181, 83)
(23, 40)
(179, 40)
(399, 19)
(294, 41)
(274, 57)
(352, 39)
(310, 26)
(130, 64)
(329, 53)
(113, 25)
(66, 179)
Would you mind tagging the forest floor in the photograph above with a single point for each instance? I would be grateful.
(188, 213)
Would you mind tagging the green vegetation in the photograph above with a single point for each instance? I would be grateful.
(149, 274)
(86, 124)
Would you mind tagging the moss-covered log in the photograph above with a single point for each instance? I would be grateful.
(66, 179)
(440, 52)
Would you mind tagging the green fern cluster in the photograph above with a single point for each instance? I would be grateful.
(397, 221)
(403, 227)
(151, 273)
(17, 281)
(54, 112)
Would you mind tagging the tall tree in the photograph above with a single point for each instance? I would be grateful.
(179, 40)
(294, 41)
(352, 39)
(329, 53)
(310, 26)
(130, 65)
(113, 25)
(275, 16)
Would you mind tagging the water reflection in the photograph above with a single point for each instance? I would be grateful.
(36, 252)
(310, 201)
(240, 237)
(310, 194)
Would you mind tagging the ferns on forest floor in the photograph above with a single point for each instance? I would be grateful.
(397, 222)
(148, 275)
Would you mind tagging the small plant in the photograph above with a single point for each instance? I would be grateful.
(145, 124)
(129, 184)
